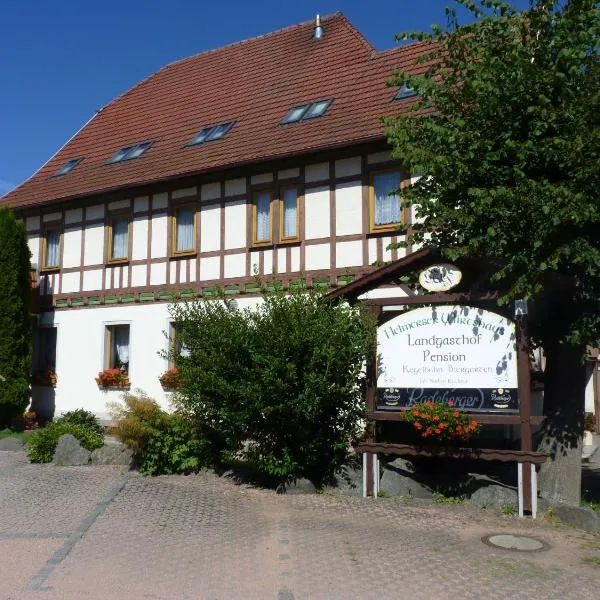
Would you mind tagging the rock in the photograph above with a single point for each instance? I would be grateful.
(580, 517)
(492, 494)
(11, 444)
(113, 454)
(348, 481)
(301, 486)
(398, 479)
(69, 452)
(402, 464)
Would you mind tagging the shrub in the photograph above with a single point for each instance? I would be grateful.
(15, 320)
(175, 447)
(136, 420)
(589, 424)
(42, 443)
(84, 417)
(163, 443)
(280, 385)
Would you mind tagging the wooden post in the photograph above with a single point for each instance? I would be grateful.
(524, 376)
(371, 402)
(596, 388)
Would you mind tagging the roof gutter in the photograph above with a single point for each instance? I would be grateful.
(212, 169)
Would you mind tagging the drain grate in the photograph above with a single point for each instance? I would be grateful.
(515, 542)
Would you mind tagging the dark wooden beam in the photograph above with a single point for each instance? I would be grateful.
(435, 299)
(489, 454)
(484, 419)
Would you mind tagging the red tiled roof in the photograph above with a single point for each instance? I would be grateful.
(254, 82)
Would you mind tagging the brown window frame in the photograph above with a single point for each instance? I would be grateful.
(174, 212)
(172, 344)
(109, 248)
(373, 228)
(108, 346)
(47, 230)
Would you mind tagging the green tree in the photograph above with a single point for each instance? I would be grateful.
(15, 319)
(505, 130)
(279, 385)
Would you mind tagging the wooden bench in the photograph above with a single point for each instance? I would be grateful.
(371, 450)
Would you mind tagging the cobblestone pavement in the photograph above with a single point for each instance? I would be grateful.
(98, 533)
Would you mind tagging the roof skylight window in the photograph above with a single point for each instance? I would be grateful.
(316, 109)
(303, 112)
(68, 167)
(130, 152)
(405, 91)
(214, 132)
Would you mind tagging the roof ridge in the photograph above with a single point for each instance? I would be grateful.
(324, 18)
(404, 47)
(260, 36)
(364, 41)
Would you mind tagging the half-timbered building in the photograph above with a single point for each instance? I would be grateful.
(267, 157)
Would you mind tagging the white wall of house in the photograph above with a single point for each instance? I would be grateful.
(80, 354)
(589, 388)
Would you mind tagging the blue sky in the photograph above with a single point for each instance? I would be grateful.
(62, 60)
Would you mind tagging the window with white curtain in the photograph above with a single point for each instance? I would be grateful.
(178, 347)
(289, 214)
(385, 199)
(119, 247)
(184, 230)
(117, 347)
(51, 258)
(262, 217)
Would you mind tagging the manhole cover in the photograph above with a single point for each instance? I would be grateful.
(518, 543)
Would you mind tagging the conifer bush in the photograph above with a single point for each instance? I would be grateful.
(15, 320)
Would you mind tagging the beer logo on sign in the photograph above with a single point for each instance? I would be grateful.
(500, 398)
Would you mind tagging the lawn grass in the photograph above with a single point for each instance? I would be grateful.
(5, 433)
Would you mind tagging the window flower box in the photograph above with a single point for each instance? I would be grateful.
(441, 423)
(30, 421)
(113, 378)
(169, 380)
(44, 378)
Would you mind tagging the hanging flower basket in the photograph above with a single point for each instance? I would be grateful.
(113, 378)
(441, 423)
(170, 379)
(44, 378)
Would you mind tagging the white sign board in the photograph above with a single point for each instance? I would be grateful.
(433, 352)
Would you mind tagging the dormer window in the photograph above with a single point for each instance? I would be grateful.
(130, 152)
(68, 167)
(303, 112)
(404, 92)
(209, 134)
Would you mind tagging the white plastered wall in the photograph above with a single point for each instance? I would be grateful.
(80, 352)
(589, 388)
